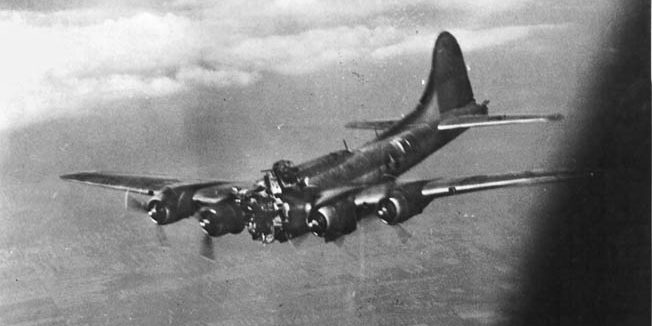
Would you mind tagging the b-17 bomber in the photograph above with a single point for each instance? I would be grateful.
(328, 195)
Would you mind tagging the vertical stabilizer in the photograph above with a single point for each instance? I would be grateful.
(448, 88)
(448, 82)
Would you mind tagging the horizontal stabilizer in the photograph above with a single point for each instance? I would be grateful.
(471, 121)
(371, 125)
(452, 186)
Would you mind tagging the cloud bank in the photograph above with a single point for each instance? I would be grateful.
(53, 63)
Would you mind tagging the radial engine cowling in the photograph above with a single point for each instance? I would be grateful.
(333, 220)
(220, 219)
(401, 204)
(296, 208)
(171, 205)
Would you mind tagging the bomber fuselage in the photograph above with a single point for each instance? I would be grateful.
(385, 158)
(379, 161)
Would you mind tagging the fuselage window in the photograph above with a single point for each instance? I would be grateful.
(399, 147)
(398, 150)
(407, 146)
(402, 146)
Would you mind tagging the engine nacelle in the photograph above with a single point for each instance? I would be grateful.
(333, 220)
(220, 219)
(401, 204)
(159, 212)
(296, 209)
(391, 210)
(171, 205)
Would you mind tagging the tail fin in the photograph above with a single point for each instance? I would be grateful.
(448, 83)
(448, 80)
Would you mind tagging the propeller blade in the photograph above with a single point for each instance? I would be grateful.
(369, 222)
(161, 236)
(133, 203)
(339, 242)
(402, 233)
(207, 251)
(298, 241)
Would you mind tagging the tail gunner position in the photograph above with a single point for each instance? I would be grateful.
(329, 194)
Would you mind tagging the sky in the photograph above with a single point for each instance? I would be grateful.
(219, 90)
(60, 58)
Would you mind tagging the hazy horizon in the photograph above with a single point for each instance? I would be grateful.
(222, 89)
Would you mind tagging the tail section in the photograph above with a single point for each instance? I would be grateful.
(448, 88)
(448, 81)
(448, 99)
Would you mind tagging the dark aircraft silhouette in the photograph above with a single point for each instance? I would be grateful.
(330, 194)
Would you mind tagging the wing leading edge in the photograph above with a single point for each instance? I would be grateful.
(142, 184)
(397, 202)
(441, 187)
(452, 186)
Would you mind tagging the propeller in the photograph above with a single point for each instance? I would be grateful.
(161, 236)
(206, 248)
(372, 223)
(135, 204)
(138, 204)
(339, 242)
(299, 241)
(402, 233)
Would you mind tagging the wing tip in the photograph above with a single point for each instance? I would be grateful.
(78, 176)
(73, 176)
(350, 125)
(556, 117)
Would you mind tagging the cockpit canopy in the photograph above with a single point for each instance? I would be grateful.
(286, 172)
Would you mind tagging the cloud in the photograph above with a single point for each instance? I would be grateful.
(52, 66)
(214, 78)
(336, 11)
(311, 50)
(315, 49)
(53, 63)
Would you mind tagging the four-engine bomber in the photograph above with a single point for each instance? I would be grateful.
(328, 195)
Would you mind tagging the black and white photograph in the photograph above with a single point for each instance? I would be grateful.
(288, 162)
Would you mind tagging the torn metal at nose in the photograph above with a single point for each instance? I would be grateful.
(265, 210)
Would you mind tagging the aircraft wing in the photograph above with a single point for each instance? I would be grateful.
(142, 184)
(471, 121)
(396, 202)
(441, 187)
(452, 186)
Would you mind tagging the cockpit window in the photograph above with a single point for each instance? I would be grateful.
(286, 172)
